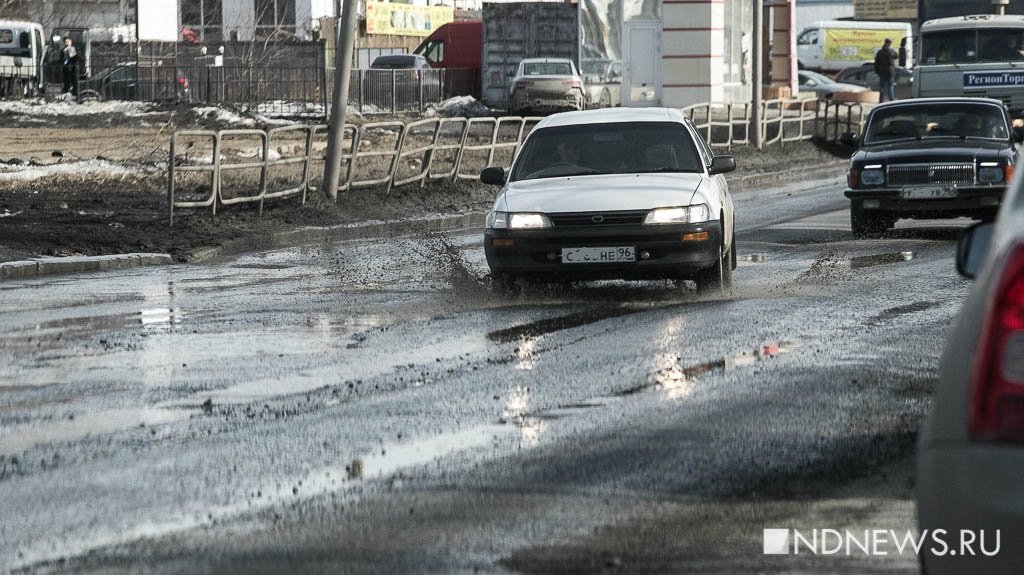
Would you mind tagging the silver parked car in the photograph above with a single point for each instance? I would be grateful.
(546, 85)
(970, 460)
(613, 193)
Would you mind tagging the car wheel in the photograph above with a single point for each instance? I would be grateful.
(89, 96)
(717, 278)
(864, 225)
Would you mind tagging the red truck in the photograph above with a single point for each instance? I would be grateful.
(456, 46)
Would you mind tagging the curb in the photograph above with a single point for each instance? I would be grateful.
(75, 264)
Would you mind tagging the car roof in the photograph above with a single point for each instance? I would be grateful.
(554, 60)
(953, 100)
(973, 21)
(611, 116)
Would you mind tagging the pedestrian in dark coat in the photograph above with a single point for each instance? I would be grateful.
(885, 67)
(69, 67)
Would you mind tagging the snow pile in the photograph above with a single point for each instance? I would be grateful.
(223, 116)
(62, 108)
(27, 172)
(464, 106)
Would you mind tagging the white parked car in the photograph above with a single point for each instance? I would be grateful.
(546, 85)
(970, 460)
(613, 193)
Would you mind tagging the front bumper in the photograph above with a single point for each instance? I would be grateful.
(976, 201)
(669, 256)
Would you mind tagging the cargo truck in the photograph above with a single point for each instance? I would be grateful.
(833, 45)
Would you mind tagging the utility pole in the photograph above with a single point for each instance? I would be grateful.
(343, 45)
(756, 135)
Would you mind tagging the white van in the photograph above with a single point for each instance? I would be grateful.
(833, 45)
(21, 58)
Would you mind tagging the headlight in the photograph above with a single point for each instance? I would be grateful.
(681, 215)
(990, 174)
(528, 221)
(873, 177)
(496, 220)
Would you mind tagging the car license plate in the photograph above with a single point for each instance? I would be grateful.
(935, 193)
(598, 255)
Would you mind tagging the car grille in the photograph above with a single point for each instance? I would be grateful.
(588, 219)
(924, 174)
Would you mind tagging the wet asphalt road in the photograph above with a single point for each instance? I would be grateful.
(373, 406)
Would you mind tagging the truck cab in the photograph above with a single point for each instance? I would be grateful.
(979, 55)
(454, 45)
(21, 58)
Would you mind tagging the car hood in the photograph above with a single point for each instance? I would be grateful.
(602, 193)
(932, 150)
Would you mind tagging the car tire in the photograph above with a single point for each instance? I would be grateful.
(89, 96)
(864, 225)
(717, 278)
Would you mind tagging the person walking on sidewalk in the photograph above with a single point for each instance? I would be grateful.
(69, 68)
(885, 67)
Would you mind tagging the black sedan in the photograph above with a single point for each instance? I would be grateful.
(129, 81)
(929, 158)
(864, 75)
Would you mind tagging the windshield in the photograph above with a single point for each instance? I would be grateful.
(617, 148)
(970, 46)
(937, 121)
(547, 69)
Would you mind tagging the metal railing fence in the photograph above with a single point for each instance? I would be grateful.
(289, 161)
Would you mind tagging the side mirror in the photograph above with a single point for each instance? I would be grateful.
(722, 164)
(849, 139)
(972, 248)
(494, 175)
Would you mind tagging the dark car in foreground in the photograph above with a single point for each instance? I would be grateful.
(127, 81)
(970, 454)
(613, 193)
(929, 158)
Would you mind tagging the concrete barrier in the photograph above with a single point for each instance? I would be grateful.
(77, 264)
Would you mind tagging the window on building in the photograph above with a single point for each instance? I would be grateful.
(273, 15)
(204, 17)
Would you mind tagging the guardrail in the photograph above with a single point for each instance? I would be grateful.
(394, 153)
(379, 149)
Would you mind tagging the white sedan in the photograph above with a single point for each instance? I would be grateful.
(970, 458)
(613, 193)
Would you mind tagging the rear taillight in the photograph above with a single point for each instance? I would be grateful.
(997, 387)
(574, 83)
(524, 83)
(183, 81)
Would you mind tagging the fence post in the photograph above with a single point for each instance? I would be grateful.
(394, 94)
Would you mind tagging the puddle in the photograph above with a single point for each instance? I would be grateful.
(553, 324)
(145, 317)
(25, 437)
(880, 259)
(677, 381)
(752, 259)
(263, 266)
(898, 311)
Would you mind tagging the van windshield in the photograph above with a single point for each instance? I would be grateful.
(970, 46)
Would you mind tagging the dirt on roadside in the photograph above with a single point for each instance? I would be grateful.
(101, 189)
